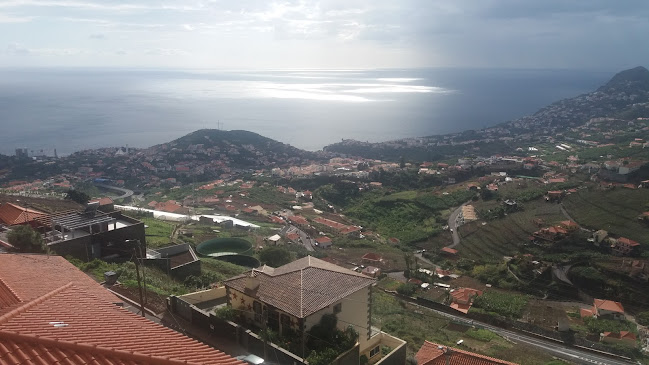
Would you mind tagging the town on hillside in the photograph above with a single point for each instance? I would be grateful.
(523, 243)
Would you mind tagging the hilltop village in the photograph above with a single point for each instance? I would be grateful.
(521, 243)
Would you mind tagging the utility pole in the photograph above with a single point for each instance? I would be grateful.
(139, 285)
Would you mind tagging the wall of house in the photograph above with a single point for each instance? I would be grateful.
(350, 357)
(355, 311)
(204, 295)
(184, 270)
(395, 357)
(249, 314)
(76, 247)
(173, 250)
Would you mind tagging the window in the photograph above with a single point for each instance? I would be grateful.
(286, 322)
(256, 307)
(338, 308)
(374, 351)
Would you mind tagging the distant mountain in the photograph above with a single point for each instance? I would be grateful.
(625, 96)
(240, 148)
(635, 79)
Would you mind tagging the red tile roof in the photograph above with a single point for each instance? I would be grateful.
(292, 236)
(622, 335)
(431, 354)
(298, 220)
(452, 251)
(372, 257)
(12, 214)
(103, 201)
(31, 276)
(627, 242)
(52, 313)
(70, 325)
(608, 305)
(323, 239)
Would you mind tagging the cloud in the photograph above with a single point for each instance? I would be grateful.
(16, 49)
(99, 36)
(166, 52)
(5, 18)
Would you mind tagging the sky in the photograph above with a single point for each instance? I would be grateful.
(334, 34)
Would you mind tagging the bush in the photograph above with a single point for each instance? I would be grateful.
(599, 325)
(481, 334)
(643, 318)
(407, 289)
(504, 304)
(275, 256)
(226, 313)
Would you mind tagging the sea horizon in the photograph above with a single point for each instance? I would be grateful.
(72, 109)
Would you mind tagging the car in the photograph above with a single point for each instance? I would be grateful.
(251, 359)
(451, 230)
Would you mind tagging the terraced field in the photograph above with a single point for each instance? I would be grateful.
(615, 211)
(504, 237)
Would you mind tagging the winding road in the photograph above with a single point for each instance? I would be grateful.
(125, 192)
(452, 224)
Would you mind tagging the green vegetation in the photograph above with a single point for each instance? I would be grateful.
(407, 289)
(411, 216)
(158, 233)
(643, 318)
(224, 245)
(77, 196)
(506, 236)
(504, 304)
(599, 325)
(326, 342)
(615, 211)
(25, 239)
(275, 256)
(481, 334)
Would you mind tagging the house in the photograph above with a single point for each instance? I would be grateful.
(604, 308)
(551, 234)
(599, 237)
(105, 204)
(298, 220)
(462, 298)
(625, 247)
(434, 354)
(554, 195)
(623, 337)
(12, 214)
(294, 297)
(274, 239)
(54, 313)
(570, 226)
(372, 258)
(448, 251)
(371, 271)
(293, 237)
(323, 242)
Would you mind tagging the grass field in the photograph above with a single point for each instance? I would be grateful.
(158, 232)
(615, 211)
(504, 237)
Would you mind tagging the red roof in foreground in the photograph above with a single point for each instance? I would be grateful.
(12, 214)
(75, 324)
(431, 354)
(627, 242)
(622, 335)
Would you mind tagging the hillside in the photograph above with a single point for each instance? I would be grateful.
(243, 148)
(625, 95)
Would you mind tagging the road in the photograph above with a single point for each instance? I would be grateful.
(568, 353)
(307, 242)
(452, 224)
(125, 192)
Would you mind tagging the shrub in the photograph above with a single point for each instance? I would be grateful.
(643, 318)
(407, 289)
(481, 334)
(504, 304)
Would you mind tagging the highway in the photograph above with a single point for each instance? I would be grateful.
(452, 224)
(125, 192)
(572, 354)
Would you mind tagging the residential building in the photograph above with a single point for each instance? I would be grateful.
(372, 257)
(462, 298)
(371, 271)
(294, 297)
(623, 337)
(625, 247)
(434, 354)
(323, 242)
(604, 308)
(53, 313)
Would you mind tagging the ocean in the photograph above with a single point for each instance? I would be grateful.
(74, 109)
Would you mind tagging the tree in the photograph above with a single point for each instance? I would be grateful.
(275, 256)
(77, 196)
(407, 289)
(643, 318)
(25, 239)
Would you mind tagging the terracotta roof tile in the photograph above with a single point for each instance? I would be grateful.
(31, 276)
(302, 287)
(12, 214)
(72, 325)
(431, 354)
(608, 305)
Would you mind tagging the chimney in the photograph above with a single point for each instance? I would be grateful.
(252, 281)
